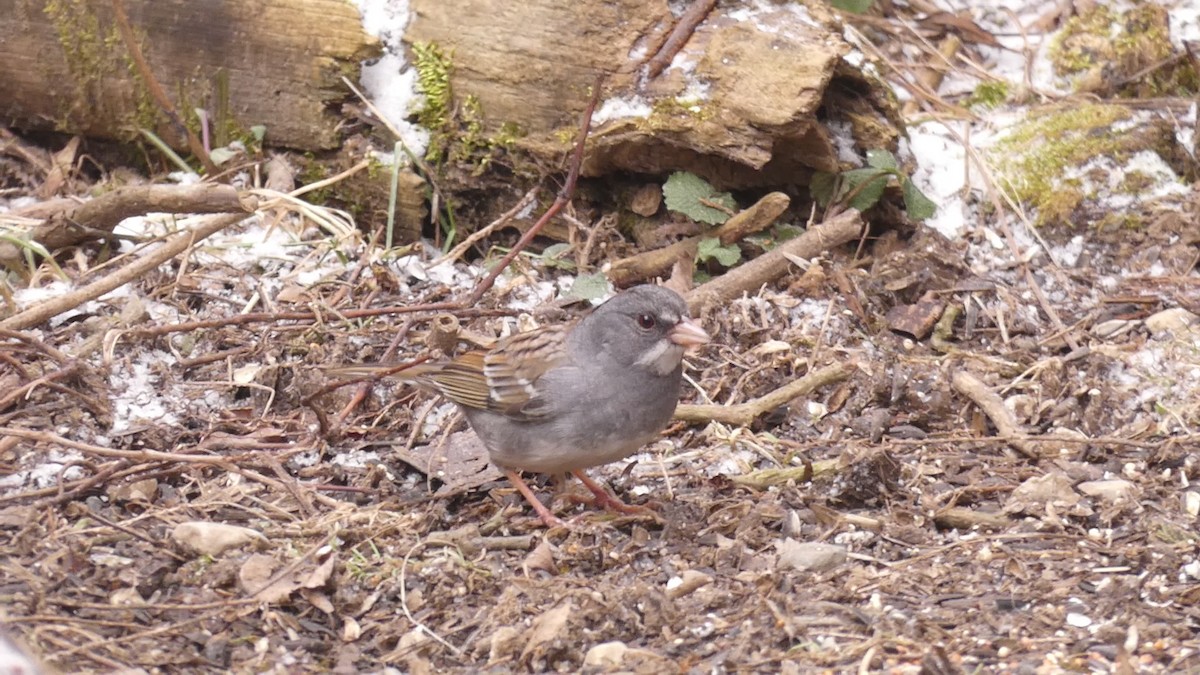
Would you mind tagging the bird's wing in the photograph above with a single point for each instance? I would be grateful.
(505, 379)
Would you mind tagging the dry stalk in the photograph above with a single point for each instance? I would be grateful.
(172, 247)
(647, 264)
(751, 276)
(743, 414)
(993, 406)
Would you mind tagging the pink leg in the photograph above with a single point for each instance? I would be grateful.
(544, 513)
(606, 500)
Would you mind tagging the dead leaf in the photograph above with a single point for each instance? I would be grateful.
(917, 319)
(320, 576)
(688, 582)
(317, 599)
(256, 575)
(809, 556)
(547, 627)
(142, 491)
(59, 170)
(351, 629)
(605, 655)
(461, 463)
(502, 644)
(213, 538)
(540, 558)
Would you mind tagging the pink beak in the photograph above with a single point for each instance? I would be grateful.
(689, 335)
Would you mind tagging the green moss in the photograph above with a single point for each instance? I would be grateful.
(433, 77)
(457, 135)
(1035, 157)
(989, 94)
(87, 50)
(1129, 51)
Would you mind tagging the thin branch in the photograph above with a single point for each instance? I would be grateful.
(156, 90)
(564, 196)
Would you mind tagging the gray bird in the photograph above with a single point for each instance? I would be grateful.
(562, 399)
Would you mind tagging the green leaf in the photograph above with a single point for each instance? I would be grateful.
(221, 155)
(869, 195)
(866, 186)
(555, 256)
(777, 235)
(785, 232)
(919, 206)
(856, 177)
(821, 187)
(259, 132)
(685, 193)
(852, 6)
(589, 287)
(882, 159)
(711, 249)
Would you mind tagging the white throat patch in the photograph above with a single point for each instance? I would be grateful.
(662, 358)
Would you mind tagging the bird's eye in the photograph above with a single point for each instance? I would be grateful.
(645, 321)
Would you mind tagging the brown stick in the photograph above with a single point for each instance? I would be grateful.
(564, 196)
(653, 263)
(156, 90)
(744, 414)
(74, 222)
(220, 461)
(169, 249)
(748, 278)
(993, 406)
(679, 36)
(930, 77)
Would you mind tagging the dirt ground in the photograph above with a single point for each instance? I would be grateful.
(904, 535)
(999, 476)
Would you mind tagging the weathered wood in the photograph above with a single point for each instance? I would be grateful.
(749, 108)
(63, 65)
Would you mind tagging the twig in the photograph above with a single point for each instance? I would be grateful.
(404, 596)
(458, 251)
(651, 263)
(564, 196)
(769, 266)
(275, 317)
(13, 396)
(993, 406)
(32, 341)
(679, 36)
(222, 461)
(171, 248)
(325, 182)
(75, 222)
(744, 414)
(156, 90)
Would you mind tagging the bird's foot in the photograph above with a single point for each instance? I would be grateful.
(548, 519)
(605, 500)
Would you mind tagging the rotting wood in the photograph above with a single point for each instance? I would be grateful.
(275, 63)
(761, 122)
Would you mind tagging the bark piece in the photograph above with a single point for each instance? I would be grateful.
(770, 81)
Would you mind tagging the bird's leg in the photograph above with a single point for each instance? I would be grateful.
(606, 500)
(544, 513)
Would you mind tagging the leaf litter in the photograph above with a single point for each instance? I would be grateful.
(887, 527)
